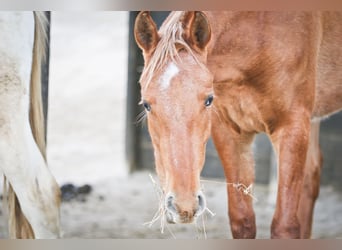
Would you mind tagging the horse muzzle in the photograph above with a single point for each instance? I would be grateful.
(184, 210)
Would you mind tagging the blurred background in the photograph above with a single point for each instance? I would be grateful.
(87, 95)
(103, 159)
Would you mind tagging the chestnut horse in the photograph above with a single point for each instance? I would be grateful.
(33, 194)
(231, 75)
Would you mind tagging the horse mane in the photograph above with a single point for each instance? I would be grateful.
(171, 39)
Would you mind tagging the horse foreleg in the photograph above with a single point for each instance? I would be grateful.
(311, 183)
(291, 144)
(236, 157)
(35, 187)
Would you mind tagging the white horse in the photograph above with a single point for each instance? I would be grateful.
(33, 194)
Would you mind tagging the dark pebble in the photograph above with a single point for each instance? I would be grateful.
(68, 188)
(85, 189)
(70, 191)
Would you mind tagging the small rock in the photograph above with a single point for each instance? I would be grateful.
(85, 189)
(68, 191)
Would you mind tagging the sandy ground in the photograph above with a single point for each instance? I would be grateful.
(86, 144)
(128, 203)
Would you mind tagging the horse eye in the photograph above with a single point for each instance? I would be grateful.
(147, 106)
(209, 100)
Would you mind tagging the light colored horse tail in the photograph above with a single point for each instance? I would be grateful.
(19, 227)
(36, 103)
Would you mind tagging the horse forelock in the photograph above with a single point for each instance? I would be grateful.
(171, 35)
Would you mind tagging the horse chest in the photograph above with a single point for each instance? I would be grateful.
(241, 107)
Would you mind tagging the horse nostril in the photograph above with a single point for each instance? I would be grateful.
(170, 204)
(170, 209)
(201, 203)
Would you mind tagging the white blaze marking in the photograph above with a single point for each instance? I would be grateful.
(170, 72)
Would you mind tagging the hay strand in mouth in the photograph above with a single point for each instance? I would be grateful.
(161, 213)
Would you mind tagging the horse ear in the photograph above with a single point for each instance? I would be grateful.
(145, 32)
(197, 30)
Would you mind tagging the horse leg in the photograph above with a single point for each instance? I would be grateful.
(35, 187)
(291, 144)
(236, 157)
(311, 182)
(20, 159)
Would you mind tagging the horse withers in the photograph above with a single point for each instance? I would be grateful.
(33, 195)
(230, 75)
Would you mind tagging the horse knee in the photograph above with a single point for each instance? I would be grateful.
(243, 227)
(286, 230)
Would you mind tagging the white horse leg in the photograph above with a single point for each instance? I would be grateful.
(20, 159)
(36, 189)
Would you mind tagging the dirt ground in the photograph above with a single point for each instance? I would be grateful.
(118, 208)
(86, 144)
